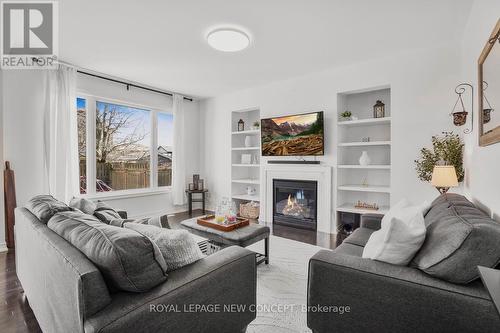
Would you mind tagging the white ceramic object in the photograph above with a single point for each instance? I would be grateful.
(248, 141)
(364, 159)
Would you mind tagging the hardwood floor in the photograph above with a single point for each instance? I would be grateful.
(16, 315)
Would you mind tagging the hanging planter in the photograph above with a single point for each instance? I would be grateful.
(460, 118)
(487, 111)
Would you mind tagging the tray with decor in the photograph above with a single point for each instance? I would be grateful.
(224, 225)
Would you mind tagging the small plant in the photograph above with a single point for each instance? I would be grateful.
(447, 148)
(256, 124)
(346, 114)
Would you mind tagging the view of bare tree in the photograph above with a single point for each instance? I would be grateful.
(116, 130)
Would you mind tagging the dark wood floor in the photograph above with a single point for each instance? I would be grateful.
(16, 315)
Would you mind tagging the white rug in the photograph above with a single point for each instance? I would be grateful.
(282, 287)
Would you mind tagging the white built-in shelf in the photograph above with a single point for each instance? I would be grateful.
(247, 132)
(362, 144)
(246, 197)
(246, 148)
(247, 165)
(363, 188)
(365, 122)
(356, 166)
(246, 181)
(349, 208)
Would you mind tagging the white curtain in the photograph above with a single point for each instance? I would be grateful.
(179, 158)
(60, 134)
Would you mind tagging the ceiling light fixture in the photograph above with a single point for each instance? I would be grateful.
(228, 40)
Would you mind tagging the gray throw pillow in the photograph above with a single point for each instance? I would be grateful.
(45, 206)
(84, 205)
(126, 258)
(105, 213)
(458, 239)
(178, 247)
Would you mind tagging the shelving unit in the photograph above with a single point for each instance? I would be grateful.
(365, 183)
(245, 175)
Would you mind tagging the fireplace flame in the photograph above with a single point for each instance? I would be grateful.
(292, 207)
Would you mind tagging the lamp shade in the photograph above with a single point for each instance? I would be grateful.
(444, 176)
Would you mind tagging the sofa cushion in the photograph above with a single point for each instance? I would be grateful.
(125, 258)
(45, 206)
(84, 205)
(460, 238)
(359, 237)
(439, 205)
(178, 247)
(105, 213)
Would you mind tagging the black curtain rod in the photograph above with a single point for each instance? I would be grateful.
(130, 84)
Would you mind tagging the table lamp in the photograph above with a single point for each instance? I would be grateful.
(444, 177)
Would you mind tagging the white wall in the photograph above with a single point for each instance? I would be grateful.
(24, 97)
(421, 81)
(482, 163)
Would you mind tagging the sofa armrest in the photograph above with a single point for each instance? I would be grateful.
(385, 297)
(371, 221)
(225, 280)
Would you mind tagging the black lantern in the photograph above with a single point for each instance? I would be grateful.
(379, 110)
(241, 125)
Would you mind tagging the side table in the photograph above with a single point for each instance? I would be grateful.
(191, 199)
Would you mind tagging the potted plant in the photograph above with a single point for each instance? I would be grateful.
(256, 125)
(346, 115)
(447, 148)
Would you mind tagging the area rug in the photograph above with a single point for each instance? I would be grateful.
(282, 287)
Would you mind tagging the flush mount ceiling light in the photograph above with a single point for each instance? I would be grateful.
(228, 40)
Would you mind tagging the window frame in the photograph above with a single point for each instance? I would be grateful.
(90, 117)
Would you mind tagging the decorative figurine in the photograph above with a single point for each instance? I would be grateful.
(241, 125)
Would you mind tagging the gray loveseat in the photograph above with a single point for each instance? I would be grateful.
(68, 293)
(387, 298)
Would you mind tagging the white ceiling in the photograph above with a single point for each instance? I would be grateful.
(162, 43)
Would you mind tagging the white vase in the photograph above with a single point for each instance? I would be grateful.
(364, 159)
(248, 141)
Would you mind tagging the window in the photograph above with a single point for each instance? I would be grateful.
(81, 111)
(165, 142)
(120, 142)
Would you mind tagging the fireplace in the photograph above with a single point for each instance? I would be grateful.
(295, 203)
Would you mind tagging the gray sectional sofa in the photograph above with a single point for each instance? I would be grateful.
(68, 293)
(417, 298)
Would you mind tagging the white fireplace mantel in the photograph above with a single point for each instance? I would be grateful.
(322, 174)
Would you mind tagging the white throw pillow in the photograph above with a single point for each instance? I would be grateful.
(401, 235)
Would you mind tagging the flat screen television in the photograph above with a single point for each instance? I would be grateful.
(295, 135)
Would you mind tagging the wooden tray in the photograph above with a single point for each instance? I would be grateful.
(209, 221)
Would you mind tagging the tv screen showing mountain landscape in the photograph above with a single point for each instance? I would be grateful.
(297, 135)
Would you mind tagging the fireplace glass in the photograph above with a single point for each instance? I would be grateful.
(295, 203)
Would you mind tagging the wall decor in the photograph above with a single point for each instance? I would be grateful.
(489, 78)
(364, 159)
(460, 115)
(379, 110)
(241, 125)
(447, 149)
